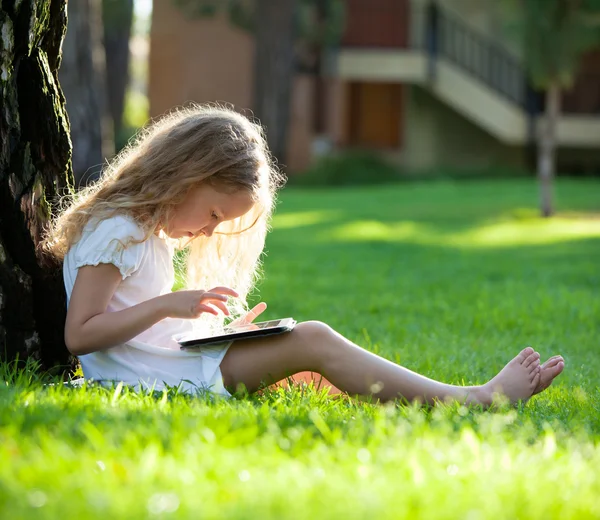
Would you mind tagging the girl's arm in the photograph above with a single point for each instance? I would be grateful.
(90, 328)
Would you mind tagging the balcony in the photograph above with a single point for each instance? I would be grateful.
(414, 42)
(376, 43)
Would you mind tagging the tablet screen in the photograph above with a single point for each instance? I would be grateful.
(252, 326)
(239, 332)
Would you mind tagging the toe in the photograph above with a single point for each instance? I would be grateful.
(548, 374)
(550, 363)
(536, 380)
(553, 361)
(524, 353)
(532, 359)
(555, 370)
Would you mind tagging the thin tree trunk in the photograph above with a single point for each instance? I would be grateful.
(117, 16)
(274, 70)
(35, 166)
(319, 80)
(83, 79)
(547, 150)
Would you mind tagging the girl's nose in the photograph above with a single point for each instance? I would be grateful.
(208, 231)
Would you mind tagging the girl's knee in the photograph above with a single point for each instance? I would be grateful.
(316, 337)
(314, 331)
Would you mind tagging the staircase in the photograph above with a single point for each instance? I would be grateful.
(470, 72)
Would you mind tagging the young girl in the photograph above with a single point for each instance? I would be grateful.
(202, 179)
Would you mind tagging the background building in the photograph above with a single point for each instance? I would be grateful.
(426, 87)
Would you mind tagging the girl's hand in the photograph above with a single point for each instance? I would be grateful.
(191, 304)
(250, 317)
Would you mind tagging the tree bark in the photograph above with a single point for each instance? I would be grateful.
(117, 17)
(547, 150)
(83, 79)
(35, 167)
(274, 70)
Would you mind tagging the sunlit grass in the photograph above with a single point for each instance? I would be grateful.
(532, 232)
(499, 233)
(369, 230)
(303, 218)
(449, 279)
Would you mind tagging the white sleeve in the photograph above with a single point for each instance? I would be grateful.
(111, 241)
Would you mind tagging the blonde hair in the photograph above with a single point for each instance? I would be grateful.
(208, 143)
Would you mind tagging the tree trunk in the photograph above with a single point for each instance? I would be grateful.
(83, 79)
(320, 92)
(35, 166)
(117, 17)
(274, 70)
(547, 149)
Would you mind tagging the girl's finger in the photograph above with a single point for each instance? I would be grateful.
(259, 309)
(251, 316)
(224, 290)
(206, 308)
(255, 312)
(211, 296)
(221, 306)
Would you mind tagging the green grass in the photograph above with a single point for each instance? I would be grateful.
(450, 279)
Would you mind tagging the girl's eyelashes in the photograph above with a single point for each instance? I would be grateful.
(215, 216)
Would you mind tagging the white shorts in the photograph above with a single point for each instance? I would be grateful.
(146, 366)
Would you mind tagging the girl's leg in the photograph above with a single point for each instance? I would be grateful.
(307, 377)
(314, 346)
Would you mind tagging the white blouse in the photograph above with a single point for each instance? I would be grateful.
(152, 359)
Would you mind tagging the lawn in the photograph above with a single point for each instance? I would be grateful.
(451, 280)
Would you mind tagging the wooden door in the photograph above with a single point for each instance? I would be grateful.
(375, 115)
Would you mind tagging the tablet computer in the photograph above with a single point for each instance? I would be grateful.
(239, 332)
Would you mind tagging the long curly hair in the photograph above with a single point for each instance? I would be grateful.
(152, 175)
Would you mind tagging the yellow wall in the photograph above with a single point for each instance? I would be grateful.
(197, 60)
(382, 65)
(208, 60)
(436, 136)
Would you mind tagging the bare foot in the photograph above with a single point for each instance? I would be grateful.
(549, 370)
(516, 381)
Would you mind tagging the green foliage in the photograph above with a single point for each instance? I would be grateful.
(554, 35)
(137, 109)
(347, 169)
(451, 279)
(201, 8)
(117, 13)
(241, 14)
(319, 21)
(135, 116)
(364, 167)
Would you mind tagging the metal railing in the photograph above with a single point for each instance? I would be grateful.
(441, 33)
(450, 37)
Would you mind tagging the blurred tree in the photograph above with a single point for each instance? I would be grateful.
(554, 35)
(117, 17)
(290, 34)
(274, 69)
(35, 167)
(83, 79)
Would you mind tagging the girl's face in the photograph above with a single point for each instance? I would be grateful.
(204, 208)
